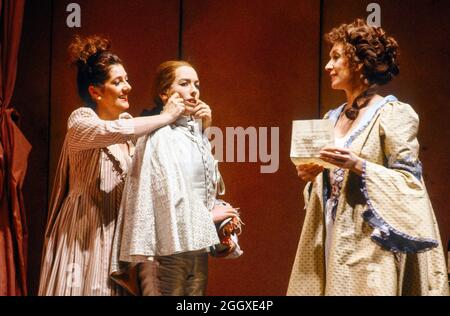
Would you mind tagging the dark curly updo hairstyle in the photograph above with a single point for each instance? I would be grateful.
(93, 58)
(370, 46)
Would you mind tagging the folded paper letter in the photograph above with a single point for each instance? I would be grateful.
(308, 138)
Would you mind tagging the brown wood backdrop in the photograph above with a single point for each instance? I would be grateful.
(261, 65)
(258, 67)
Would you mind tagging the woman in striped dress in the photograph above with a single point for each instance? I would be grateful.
(94, 161)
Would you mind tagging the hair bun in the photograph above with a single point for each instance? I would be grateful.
(93, 58)
(391, 47)
(81, 49)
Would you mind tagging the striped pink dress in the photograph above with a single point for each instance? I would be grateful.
(84, 205)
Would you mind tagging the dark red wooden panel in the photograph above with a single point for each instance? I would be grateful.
(258, 67)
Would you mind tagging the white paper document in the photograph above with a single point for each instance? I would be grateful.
(308, 138)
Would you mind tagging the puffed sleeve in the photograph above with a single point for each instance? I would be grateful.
(86, 130)
(398, 204)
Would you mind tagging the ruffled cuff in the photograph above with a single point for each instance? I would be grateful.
(387, 236)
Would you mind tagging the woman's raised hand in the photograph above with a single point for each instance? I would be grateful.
(174, 107)
(308, 172)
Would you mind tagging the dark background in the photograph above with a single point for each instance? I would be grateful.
(260, 64)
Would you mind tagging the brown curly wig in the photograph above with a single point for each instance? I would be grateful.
(370, 46)
(93, 58)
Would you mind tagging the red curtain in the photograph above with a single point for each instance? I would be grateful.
(14, 151)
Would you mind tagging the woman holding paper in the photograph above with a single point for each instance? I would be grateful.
(169, 208)
(369, 228)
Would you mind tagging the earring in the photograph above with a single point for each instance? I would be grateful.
(99, 98)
